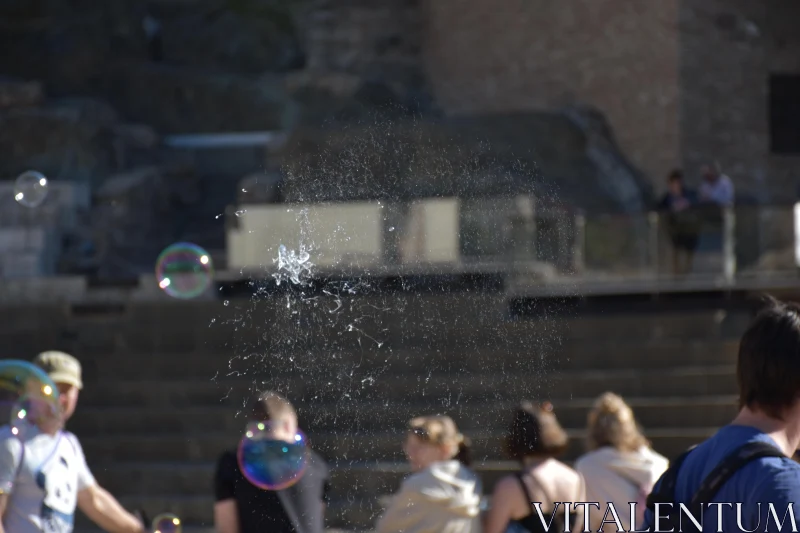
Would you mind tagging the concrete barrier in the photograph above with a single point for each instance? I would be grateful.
(358, 235)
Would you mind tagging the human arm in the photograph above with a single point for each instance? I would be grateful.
(496, 519)
(10, 462)
(226, 512)
(3, 503)
(401, 512)
(105, 511)
(97, 503)
(226, 516)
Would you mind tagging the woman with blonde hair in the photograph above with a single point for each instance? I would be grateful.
(442, 495)
(620, 466)
(535, 439)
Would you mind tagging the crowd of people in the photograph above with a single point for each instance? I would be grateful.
(689, 213)
(747, 467)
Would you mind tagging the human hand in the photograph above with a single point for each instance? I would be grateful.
(140, 515)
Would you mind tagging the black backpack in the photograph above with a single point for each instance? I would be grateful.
(708, 488)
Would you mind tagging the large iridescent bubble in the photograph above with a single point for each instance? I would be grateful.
(184, 270)
(28, 398)
(272, 463)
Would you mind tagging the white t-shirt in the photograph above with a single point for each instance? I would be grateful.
(43, 478)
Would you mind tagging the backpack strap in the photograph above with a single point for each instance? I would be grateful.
(729, 466)
(714, 481)
(666, 489)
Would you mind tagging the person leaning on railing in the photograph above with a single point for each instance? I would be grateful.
(682, 221)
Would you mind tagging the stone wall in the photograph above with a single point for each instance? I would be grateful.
(681, 81)
(621, 57)
(375, 39)
(728, 50)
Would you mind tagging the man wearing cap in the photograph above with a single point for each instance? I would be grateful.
(44, 476)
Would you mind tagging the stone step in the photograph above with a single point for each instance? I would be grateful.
(440, 325)
(367, 415)
(433, 388)
(341, 446)
(176, 328)
(394, 319)
(328, 365)
(348, 480)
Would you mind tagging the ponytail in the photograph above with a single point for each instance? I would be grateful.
(464, 455)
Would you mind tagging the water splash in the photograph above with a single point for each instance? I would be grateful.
(293, 265)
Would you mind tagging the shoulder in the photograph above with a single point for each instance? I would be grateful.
(588, 459)
(71, 438)
(774, 479)
(9, 443)
(559, 469)
(227, 461)
(317, 462)
(507, 486)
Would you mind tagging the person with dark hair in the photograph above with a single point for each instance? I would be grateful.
(749, 460)
(535, 439)
(442, 493)
(242, 507)
(682, 221)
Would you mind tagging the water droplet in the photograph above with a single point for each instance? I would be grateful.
(391, 229)
(244, 190)
(241, 212)
(217, 217)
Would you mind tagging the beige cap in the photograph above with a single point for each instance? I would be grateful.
(61, 367)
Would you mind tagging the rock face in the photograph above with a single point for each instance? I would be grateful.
(180, 100)
(237, 36)
(546, 154)
(58, 139)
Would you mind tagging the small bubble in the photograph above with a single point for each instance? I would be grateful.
(225, 303)
(240, 212)
(30, 189)
(391, 229)
(244, 190)
(217, 217)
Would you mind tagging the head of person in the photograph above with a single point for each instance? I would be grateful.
(675, 182)
(432, 439)
(768, 364)
(535, 433)
(611, 423)
(277, 412)
(65, 371)
(710, 172)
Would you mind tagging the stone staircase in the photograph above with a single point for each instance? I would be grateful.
(164, 382)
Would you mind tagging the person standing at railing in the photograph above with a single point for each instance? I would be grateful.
(716, 196)
(681, 221)
(717, 188)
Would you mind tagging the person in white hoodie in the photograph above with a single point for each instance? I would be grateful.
(442, 495)
(620, 466)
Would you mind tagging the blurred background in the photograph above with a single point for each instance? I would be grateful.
(482, 188)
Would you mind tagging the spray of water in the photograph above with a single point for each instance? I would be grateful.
(293, 265)
(358, 360)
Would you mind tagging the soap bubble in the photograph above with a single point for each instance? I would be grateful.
(167, 523)
(30, 189)
(270, 463)
(184, 270)
(28, 398)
